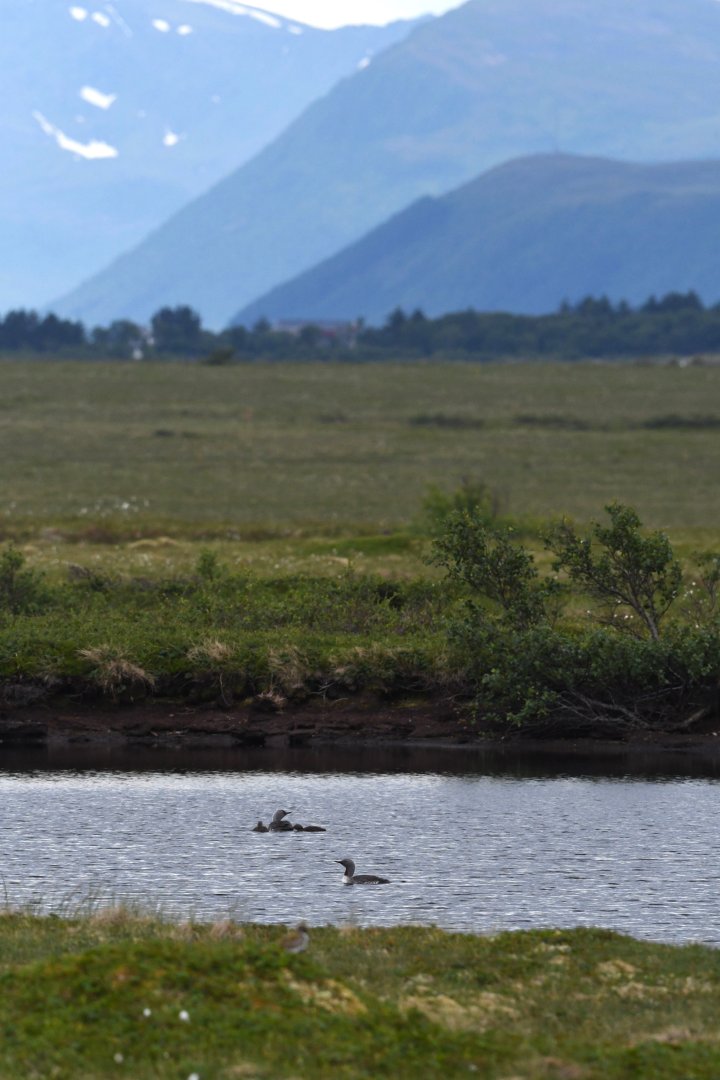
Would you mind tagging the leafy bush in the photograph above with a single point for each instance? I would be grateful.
(208, 567)
(621, 568)
(522, 669)
(22, 591)
(472, 497)
(491, 564)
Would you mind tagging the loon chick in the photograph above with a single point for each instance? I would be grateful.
(351, 878)
(277, 824)
(298, 940)
(260, 828)
(298, 828)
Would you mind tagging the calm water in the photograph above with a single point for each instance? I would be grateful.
(471, 842)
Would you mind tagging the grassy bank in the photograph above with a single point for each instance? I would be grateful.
(110, 449)
(114, 994)
(216, 634)
(259, 535)
(530, 659)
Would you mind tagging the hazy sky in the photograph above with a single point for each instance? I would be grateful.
(331, 13)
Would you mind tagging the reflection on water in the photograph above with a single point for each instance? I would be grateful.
(471, 844)
(512, 759)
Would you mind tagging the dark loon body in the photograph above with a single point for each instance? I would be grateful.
(278, 824)
(351, 878)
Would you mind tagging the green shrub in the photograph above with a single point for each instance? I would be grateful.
(489, 562)
(626, 572)
(208, 567)
(522, 669)
(472, 496)
(22, 591)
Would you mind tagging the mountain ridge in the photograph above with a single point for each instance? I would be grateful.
(117, 114)
(485, 83)
(522, 238)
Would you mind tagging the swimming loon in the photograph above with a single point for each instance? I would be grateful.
(278, 825)
(260, 827)
(351, 878)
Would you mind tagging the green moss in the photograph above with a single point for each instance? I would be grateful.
(109, 994)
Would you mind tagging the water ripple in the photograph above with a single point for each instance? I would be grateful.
(480, 853)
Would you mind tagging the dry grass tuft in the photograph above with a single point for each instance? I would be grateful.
(225, 930)
(152, 543)
(210, 653)
(113, 673)
(119, 916)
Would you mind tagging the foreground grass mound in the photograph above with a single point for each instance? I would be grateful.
(119, 995)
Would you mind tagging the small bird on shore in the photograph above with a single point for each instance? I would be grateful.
(351, 878)
(278, 825)
(298, 940)
(259, 827)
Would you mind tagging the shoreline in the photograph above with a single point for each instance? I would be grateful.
(364, 723)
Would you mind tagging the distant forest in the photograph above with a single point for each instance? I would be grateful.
(676, 324)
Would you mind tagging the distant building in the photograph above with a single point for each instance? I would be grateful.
(321, 331)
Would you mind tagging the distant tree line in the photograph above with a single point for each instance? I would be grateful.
(677, 323)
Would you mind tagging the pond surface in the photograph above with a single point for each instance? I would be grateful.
(470, 841)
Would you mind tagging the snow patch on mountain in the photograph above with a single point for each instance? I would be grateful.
(234, 8)
(97, 98)
(92, 150)
(164, 27)
(263, 17)
(94, 94)
(118, 20)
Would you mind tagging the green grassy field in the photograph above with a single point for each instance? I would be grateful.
(221, 535)
(114, 994)
(353, 448)
(304, 485)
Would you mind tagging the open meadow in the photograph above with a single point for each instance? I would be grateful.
(344, 448)
(262, 531)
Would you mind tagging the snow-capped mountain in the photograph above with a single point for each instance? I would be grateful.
(115, 114)
(492, 80)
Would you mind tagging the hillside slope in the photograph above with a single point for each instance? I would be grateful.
(116, 115)
(522, 238)
(491, 80)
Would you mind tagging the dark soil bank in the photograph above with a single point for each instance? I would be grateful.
(244, 725)
(364, 721)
